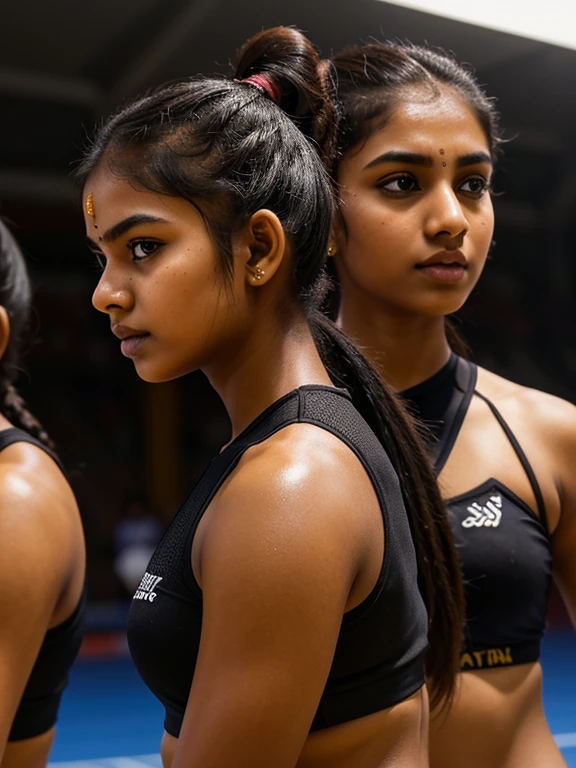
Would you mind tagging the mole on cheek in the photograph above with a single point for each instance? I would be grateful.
(441, 151)
(443, 165)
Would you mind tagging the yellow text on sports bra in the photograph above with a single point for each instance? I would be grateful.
(491, 657)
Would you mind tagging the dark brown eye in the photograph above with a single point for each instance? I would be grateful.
(399, 184)
(475, 185)
(141, 249)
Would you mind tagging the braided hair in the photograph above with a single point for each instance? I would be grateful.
(15, 297)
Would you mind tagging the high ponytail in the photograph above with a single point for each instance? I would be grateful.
(305, 81)
(15, 297)
(225, 146)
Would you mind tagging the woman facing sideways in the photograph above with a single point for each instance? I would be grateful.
(42, 560)
(279, 621)
(417, 143)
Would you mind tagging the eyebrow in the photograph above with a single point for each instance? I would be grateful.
(124, 226)
(474, 158)
(413, 158)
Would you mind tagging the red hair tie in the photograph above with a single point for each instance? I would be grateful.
(266, 85)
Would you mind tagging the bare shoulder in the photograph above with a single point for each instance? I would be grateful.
(306, 464)
(552, 417)
(302, 492)
(39, 519)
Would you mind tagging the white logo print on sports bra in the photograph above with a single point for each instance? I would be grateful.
(147, 586)
(488, 515)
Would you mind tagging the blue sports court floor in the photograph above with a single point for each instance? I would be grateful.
(110, 720)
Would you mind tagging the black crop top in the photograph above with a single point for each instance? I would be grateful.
(38, 708)
(378, 659)
(503, 545)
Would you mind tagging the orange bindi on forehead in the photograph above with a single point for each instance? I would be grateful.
(90, 207)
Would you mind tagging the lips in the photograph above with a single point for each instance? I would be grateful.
(444, 266)
(445, 258)
(125, 332)
(131, 338)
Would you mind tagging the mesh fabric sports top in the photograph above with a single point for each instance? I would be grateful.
(378, 659)
(38, 709)
(503, 545)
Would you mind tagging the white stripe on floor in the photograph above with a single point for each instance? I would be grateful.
(140, 761)
(565, 740)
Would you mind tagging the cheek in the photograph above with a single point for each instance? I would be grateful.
(181, 296)
(483, 234)
(375, 241)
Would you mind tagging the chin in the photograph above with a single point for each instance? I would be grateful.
(441, 302)
(155, 374)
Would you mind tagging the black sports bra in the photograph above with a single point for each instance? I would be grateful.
(38, 708)
(503, 545)
(378, 659)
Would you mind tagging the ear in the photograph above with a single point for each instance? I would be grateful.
(337, 238)
(264, 243)
(4, 330)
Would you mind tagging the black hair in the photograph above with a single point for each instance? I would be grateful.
(225, 146)
(15, 297)
(370, 80)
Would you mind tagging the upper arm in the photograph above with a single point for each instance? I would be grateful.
(32, 551)
(278, 561)
(563, 424)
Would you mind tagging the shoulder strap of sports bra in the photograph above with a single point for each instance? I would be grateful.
(15, 435)
(465, 380)
(536, 490)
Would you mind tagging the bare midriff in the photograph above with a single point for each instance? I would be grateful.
(496, 721)
(394, 737)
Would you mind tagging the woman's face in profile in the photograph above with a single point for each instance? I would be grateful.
(161, 284)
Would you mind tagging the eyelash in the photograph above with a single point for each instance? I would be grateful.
(382, 185)
(133, 244)
(100, 260)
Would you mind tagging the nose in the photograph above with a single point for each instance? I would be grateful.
(446, 221)
(112, 293)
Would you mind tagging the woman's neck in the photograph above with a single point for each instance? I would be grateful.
(405, 349)
(274, 360)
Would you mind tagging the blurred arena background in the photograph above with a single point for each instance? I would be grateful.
(134, 450)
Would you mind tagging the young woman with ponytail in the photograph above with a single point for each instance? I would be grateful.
(42, 549)
(280, 621)
(417, 142)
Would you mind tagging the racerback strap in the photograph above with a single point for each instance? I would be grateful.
(465, 376)
(536, 490)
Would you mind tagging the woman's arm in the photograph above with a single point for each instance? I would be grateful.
(34, 565)
(278, 556)
(564, 536)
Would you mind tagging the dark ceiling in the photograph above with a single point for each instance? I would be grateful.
(64, 64)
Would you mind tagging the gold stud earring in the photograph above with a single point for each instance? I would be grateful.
(330, 251)
(90, 205)
(256, 271)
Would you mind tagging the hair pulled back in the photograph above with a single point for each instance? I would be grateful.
(225, 146)
(15, 297)
(371, 79)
